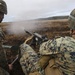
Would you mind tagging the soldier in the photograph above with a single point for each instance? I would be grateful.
(62, 50)
(3, 61)
(58, 54)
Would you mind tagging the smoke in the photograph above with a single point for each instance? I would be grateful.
(21, 27)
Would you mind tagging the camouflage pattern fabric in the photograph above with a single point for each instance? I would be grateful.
(62, 48)
(1, 34)
(3, 72)
(29, 60)
(3, 61)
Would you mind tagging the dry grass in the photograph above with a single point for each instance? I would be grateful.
(51, 28)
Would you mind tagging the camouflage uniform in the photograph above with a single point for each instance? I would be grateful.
(3, 61)
(62, 48)
(29, 60)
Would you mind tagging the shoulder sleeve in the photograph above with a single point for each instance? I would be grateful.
(50, 47)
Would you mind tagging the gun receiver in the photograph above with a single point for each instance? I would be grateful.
(37, 37)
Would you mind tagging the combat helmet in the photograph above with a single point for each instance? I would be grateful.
(3, 7)
(72, 20)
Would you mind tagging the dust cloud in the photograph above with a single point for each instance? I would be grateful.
(21, 27)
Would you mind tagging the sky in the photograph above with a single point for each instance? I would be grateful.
(32, 9)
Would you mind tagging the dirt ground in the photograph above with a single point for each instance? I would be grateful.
(51, 28)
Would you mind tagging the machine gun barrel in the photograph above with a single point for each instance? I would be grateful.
(38, 35)
(34, 34)
(28, 32)
(41, 38)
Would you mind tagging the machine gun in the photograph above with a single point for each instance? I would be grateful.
(37, 39)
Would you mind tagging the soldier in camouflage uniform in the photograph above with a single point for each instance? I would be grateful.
(3, 61)
(63, 50)
(60, 50)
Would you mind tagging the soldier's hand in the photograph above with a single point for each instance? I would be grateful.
(10, 66)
